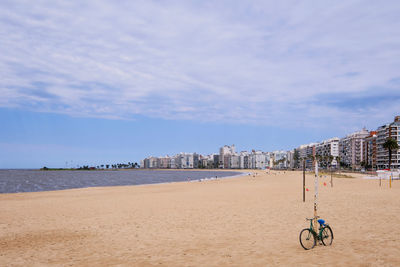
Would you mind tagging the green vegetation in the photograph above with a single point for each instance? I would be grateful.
(129, 165)
(390, 144)
(56, 169)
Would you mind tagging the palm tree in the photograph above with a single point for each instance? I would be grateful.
(390, 144)
(310, 157)
(338, 158)
(319, 158)
(330, 159)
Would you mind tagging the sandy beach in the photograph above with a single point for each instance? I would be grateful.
(244, 221)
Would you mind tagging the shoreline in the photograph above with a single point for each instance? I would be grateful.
(239, 174)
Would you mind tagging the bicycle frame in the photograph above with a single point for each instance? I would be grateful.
(319, 235)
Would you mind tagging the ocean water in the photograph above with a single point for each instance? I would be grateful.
(13, 181)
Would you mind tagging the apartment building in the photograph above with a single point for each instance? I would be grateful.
(234, 162)
(369, 150)
(280, 159)
(391, 130)
(290, 159)
(215, 161)
(243, 160)
(224, 156)
(257, 160)
(184, 161)
(307, 153)
(328, 149)
(351, 149)
(164, 162)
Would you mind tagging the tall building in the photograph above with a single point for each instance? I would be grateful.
(268, 159)
(224, 153)
(244, 160)
(216, 161)
(350, 149)
(196, 159)
(369, 150)
(391, 130)
(307, 153)
(153, 163)
(280, 159)
(184, 161)
(328, 149)
(234, 162)
(257, 160)
(290, 159)
(164, 162)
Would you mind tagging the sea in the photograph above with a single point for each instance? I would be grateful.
(16, 181)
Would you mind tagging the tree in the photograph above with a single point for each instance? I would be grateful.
(330, 159)
(390, 144)
(319, 158)
(338, 158)
(296, 157)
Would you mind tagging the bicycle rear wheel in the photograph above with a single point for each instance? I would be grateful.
(327, 236)
(307, 239)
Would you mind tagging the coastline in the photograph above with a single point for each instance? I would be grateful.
(20, 181)
(243, 221)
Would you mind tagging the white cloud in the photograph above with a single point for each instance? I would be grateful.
(260, 62)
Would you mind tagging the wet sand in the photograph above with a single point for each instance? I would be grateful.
(245, 221)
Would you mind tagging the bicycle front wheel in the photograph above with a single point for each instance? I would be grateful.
(307, 239)
(327, 236)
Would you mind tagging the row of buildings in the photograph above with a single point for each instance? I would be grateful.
(227, 158)
(361, 149)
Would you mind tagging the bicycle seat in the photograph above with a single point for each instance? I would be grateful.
(321, 222)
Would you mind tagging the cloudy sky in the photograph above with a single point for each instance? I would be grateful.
(111, 81)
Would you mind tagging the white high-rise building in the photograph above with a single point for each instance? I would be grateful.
(224, 156)
(391, 130)
(234, 162)
(257, 160)
(184, 161)
(307, 152)
(350, 149)
(279, 159)
(244, 160)
(328, 149)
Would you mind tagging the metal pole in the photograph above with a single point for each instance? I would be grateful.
(316, 191)
(304, 180)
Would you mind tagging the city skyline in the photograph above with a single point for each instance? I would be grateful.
(113, 82)
(364, 149)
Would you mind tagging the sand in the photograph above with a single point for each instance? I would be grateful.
(245, 221)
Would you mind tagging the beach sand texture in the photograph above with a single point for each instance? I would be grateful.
(245, 221)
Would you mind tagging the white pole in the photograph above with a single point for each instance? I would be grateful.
(316, 192)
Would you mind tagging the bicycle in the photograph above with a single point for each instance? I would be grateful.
(308, 236)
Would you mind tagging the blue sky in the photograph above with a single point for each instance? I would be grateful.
(106, 81)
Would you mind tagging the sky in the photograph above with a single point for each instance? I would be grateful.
(96, 82)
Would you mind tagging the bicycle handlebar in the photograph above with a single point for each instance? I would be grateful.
(316, 217)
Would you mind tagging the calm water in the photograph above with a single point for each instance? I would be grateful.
(13, 181)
